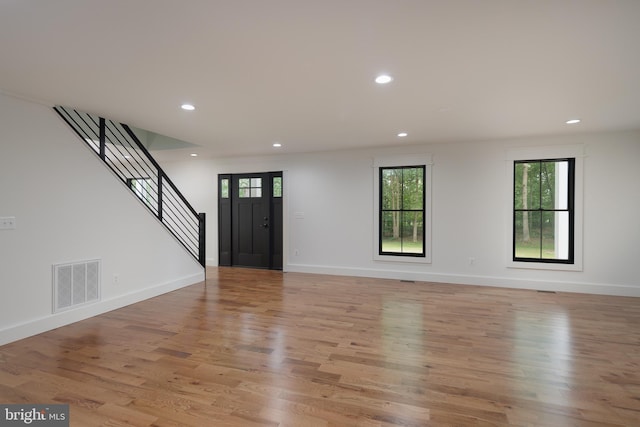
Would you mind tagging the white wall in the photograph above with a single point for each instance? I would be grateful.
(334, 191)
(69, 207)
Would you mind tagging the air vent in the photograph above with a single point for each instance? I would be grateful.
(75, 284)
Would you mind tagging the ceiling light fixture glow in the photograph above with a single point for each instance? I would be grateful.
(193, 155)
(402, 134)
(277, 145)
(383, 79)
(572, 121)
(188, 107)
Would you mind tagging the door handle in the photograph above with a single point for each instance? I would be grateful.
(265, 225)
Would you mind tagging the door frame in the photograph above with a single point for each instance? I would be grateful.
(226, 227)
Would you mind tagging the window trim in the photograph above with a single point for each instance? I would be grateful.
(547, 153)
(423, 160)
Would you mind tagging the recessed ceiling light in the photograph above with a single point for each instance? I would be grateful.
(572, 121)
(383, 79)
(277, 144)
(402, 134)
(193, 155)
(188, 107)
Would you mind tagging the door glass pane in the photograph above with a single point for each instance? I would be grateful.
(256, 182)
(224, 188)
(256, 192)
(277, 186)
(244, 193)
(243, 183)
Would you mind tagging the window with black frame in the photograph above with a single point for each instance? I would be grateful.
(142, 187)
(543, 210)
(402, 211)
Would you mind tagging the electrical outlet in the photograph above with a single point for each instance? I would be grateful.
(472, 260)
(8, 223)
(116, 279)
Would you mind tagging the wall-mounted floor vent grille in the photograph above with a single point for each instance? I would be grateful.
(75, 284)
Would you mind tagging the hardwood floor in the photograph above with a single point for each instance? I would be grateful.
(262, 348)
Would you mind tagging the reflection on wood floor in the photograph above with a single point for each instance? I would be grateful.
(263, 348)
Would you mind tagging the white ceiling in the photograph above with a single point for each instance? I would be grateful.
(301, 72)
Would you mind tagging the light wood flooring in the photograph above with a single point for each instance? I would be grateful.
(263, 348)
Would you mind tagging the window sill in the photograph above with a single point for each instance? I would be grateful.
(402, 259)
(544, 266)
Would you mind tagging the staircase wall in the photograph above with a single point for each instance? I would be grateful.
(69, 207)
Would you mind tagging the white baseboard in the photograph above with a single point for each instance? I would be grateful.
(47, 323)
(501, 282)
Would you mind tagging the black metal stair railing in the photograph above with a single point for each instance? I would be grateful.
(117, 145)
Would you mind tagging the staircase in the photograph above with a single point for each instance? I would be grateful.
(121, 150)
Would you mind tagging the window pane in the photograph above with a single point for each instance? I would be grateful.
(224, 188)
(412, 226)
(527, 185)
(243, 183)
(532, 186)
(527, 234)
(517, 185)
(555, 235)
(555, 185)
(256, 192)
(142, 188)
(244, 193)
(548, 235)
(391, 188)
(390, 232)
(277, 186)
(412, 188)
(256, 182)
(547, 185)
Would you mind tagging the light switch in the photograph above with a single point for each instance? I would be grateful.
(8, 223)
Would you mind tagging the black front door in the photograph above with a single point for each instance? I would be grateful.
(250, 220)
